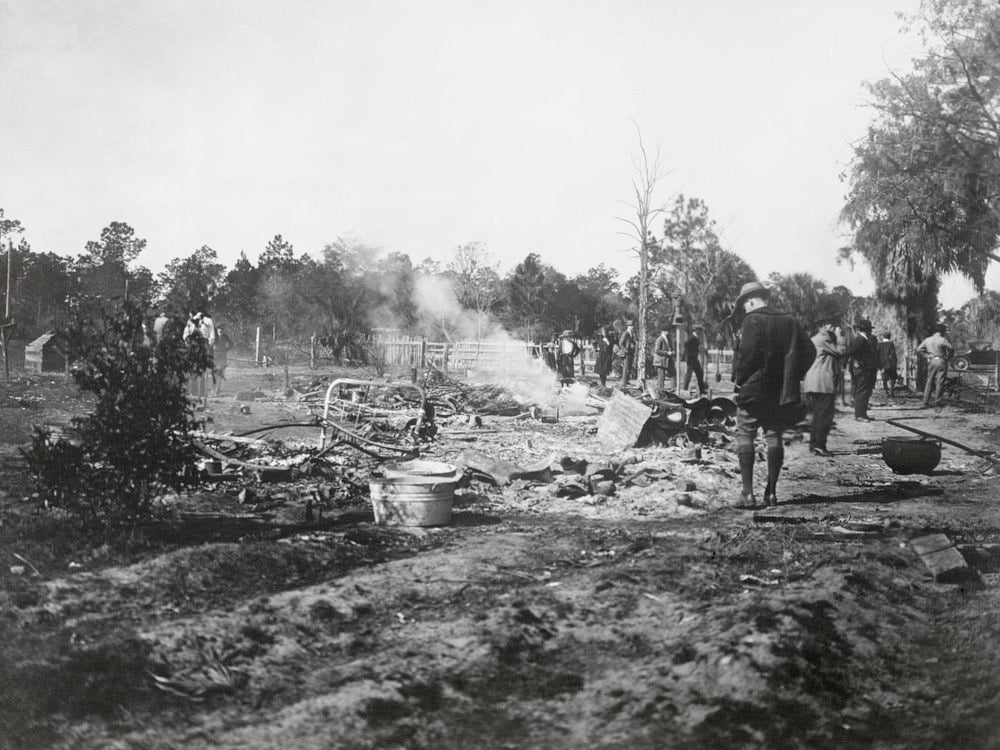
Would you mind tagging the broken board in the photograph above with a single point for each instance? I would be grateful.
(942, 558)
(622, 422)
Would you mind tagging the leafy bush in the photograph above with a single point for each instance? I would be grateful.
(136, 442)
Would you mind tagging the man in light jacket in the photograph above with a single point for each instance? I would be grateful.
(820, 384)
(938, 350)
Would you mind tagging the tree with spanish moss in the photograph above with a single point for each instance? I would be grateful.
(924, 196)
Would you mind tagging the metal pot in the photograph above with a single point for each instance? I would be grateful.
(911, 455)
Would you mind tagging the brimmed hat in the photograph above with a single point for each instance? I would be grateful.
(864, 325)
(567, 333)
(752, 289)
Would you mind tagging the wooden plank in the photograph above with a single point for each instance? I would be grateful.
(622, 421)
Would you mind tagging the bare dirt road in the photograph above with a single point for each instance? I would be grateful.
(656, 617)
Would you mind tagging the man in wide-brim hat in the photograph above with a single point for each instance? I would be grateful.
(752, 289)
(772, 357)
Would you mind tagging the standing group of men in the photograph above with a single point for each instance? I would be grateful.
(217, 341)
(776, 363)
(610, 345)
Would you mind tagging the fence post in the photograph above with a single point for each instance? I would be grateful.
(423, 353)
(256, 355)
(444, 363)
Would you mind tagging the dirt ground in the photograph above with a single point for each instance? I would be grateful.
(657, 617)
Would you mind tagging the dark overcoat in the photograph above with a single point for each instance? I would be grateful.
(773, 357)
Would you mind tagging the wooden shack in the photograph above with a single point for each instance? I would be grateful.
(47, 353)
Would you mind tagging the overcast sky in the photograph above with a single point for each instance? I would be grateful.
(420, 126)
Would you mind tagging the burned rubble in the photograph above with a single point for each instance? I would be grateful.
(590, 568)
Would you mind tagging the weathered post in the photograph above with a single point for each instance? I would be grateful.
(257, 352)
(678, 351)
(312, 352)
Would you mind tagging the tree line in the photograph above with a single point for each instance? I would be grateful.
(350, 288)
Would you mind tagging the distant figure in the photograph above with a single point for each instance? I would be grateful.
(887, 358)
(663, 352)
(221, 357)
(604, 348)
(772, 357)
(864, 368)
(627, 344)
(568, 350)
(692, 356)
(551, 353)
(158, 324)
(820, 385)
(938, 350)
(201, 325)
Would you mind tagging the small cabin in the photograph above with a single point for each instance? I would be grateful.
(47, 353)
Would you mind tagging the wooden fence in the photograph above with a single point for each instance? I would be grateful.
(498, 356)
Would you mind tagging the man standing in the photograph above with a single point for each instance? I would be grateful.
(604, 347)
(663, 351)
(820, 385)
(887, 358)
(864, 368)
(565, 366)
(159, 323)
(938, 350)
(627, 344)
(201, 325)
(692, 356)
(772, 356)
(221, 356)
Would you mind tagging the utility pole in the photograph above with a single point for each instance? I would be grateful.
(6, 324)
(6, 312)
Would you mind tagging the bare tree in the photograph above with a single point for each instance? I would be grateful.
(648, 173)
(477, 281)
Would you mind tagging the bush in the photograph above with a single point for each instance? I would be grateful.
(136, 443)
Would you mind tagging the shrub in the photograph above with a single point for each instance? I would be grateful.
(136, 442)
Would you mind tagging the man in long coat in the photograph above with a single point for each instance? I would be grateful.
(772, 356)
(627, 344)
(863, 355)
(820, 384)
(663, 355)
(604, 349)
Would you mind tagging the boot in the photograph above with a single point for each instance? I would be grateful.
(747, 498)
(775, 459)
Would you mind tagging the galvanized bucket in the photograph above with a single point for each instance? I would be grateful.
(413, 500)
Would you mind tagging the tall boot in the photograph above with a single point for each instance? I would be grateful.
(775, 459)
(746, 474)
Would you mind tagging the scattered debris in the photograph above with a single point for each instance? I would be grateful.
(943, 559)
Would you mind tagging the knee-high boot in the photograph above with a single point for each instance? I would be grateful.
(746, 472)
(775, 459)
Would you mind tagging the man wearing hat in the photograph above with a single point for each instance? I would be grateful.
(862, 353)
(692, 357)
(604, 351)
(627, 345)
(938, 350)
(663, 355)
(772, 356)
(889, 363)
(568, 349)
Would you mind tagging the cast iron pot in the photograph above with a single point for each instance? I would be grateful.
(911, 455)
